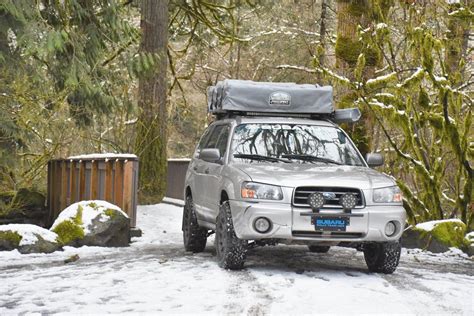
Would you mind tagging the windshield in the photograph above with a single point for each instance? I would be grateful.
(293, 143)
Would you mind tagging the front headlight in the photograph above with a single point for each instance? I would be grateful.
(253, 190)
(388, 195)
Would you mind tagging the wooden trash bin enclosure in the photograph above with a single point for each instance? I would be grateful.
(177, 168)
(109, 177)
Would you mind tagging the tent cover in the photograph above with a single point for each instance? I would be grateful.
(269, 97)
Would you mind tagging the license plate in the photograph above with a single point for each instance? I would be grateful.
(333, 223)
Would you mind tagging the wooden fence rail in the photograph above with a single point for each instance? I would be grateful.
(113, 179)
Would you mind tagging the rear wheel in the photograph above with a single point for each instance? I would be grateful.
(194, 237)
(318, 249)
(231, 251)
(382, 257)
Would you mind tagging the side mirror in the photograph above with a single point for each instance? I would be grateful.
(210, 155)
(374, 159)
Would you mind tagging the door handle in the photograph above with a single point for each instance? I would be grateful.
(195, 168)
(206, 171)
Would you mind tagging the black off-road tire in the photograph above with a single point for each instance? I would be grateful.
(318, 249)
(382, 257)
(194, 237)
(231, 251)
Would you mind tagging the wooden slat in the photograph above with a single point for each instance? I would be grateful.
(108, 181)
(118, 183)
(72, 183)
(94, 180)
(128, 188)
(55, 186)
(63, 193)
(82, 180)
(50, 192)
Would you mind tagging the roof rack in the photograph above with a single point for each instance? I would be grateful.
(249, 98)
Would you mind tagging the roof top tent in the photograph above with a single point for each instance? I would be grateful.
(245, 97)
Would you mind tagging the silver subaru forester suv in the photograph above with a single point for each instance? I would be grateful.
(264, 180)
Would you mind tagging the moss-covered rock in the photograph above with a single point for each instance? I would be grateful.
(9, 240)
(469, 240)
(436, 236)
(93, 223)
(69, 233)
(28, 238)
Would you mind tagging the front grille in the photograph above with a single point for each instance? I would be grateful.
(330, 235)
(300, 198)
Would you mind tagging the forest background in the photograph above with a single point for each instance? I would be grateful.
(83, 76)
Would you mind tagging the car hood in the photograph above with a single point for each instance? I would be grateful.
(294, 175)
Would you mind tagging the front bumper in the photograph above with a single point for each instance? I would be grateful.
(292, 223)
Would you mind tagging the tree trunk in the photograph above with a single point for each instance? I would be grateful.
(351, 14)
(457, 39)
(152, 132)
(322, 34)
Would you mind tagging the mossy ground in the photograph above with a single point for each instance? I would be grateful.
(12, 237)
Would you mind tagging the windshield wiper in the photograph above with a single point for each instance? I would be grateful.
(260, 157)
(311, 158)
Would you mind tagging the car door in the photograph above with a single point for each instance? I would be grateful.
(210, 167)
(213, 174)
(196, 169)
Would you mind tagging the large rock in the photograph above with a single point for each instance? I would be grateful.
(436, 236)
(28, 239)
(93, 223)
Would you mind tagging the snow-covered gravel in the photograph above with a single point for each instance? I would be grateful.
(156, 275)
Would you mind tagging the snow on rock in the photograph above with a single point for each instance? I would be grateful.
(94, 223)
(436, 236)
(102, 156)
(29, 233)
(90, 210)
(27, 238)
(429, 226)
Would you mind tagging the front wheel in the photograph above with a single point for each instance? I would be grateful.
(382, 257)
(231, 251)
(194, 236)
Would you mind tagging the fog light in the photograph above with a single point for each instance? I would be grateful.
(348, 201)
(262, 225)
(316, 200)
(390, 229)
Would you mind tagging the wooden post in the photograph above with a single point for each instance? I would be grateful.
(72, 183)
(118, 183)
(94, 185)
(82, 179)
(63, 194)
(108, 180)
(128, 188)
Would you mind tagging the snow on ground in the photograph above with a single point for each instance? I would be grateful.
(155, 275)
